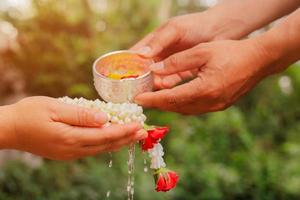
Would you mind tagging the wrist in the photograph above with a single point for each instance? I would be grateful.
(236, 19)
(281, 45)
(221, 27)
(7, 127)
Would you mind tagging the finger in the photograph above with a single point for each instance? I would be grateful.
(180, 62)
(157, 82)
(168, 99)
(78, 116)
(161, 39)
(127, 141)
(113, 146)
(170, 81)
(107, 134)
(90, 151)
(95, 150)
(199, 107)
(142, 43)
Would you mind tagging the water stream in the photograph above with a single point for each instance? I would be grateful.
(130, 163)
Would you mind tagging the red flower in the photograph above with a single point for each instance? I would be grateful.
(158, 132)
(165, 180)
(154, 135)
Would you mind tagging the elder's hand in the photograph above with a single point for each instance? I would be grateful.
(180, 33)
(225, 70)
(186, 31)
(177, 34)
(55, 130)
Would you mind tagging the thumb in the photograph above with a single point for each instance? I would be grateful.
(159, 40)
(78, 116)
(180, 62)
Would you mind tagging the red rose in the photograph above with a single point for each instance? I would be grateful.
(154, 135)
(158, 132)
(147, 144)
(165, 180)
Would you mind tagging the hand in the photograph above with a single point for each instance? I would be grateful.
(180, 33)
(226, 70)
(183, 32)
(177, 34)
(55, 130)
(226, 20)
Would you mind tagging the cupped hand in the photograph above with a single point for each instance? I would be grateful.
(225, 70)
(55, 130)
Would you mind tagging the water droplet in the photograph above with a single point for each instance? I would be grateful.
(108, 194)
(109, 165)
(110, 161)
(145, 169)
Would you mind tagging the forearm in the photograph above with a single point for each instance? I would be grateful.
(235, 19)
(281, 44)
(6, 127)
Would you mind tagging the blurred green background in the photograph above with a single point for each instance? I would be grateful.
(47, 47)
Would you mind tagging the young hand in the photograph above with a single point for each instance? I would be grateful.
(55, 130)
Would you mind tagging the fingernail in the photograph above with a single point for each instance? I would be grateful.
(157, 66)
(142, 134)
(100, 118)
(144, 51)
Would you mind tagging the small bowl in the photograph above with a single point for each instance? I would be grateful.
(124, 90)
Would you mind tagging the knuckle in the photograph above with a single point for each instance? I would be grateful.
(172, 61)
(108, 138)
(214, 94)
(27, 100)
(169, 23)
(202, 51)
(37, 100)
(202, 46)
(195, 93)
(211, 91)
(173, 25)
(69, 140)
(172, 100)
(82, 115)
(193, 97)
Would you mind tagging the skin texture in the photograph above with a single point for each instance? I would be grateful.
(55, 130)
(222, 70)
(230, 19)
